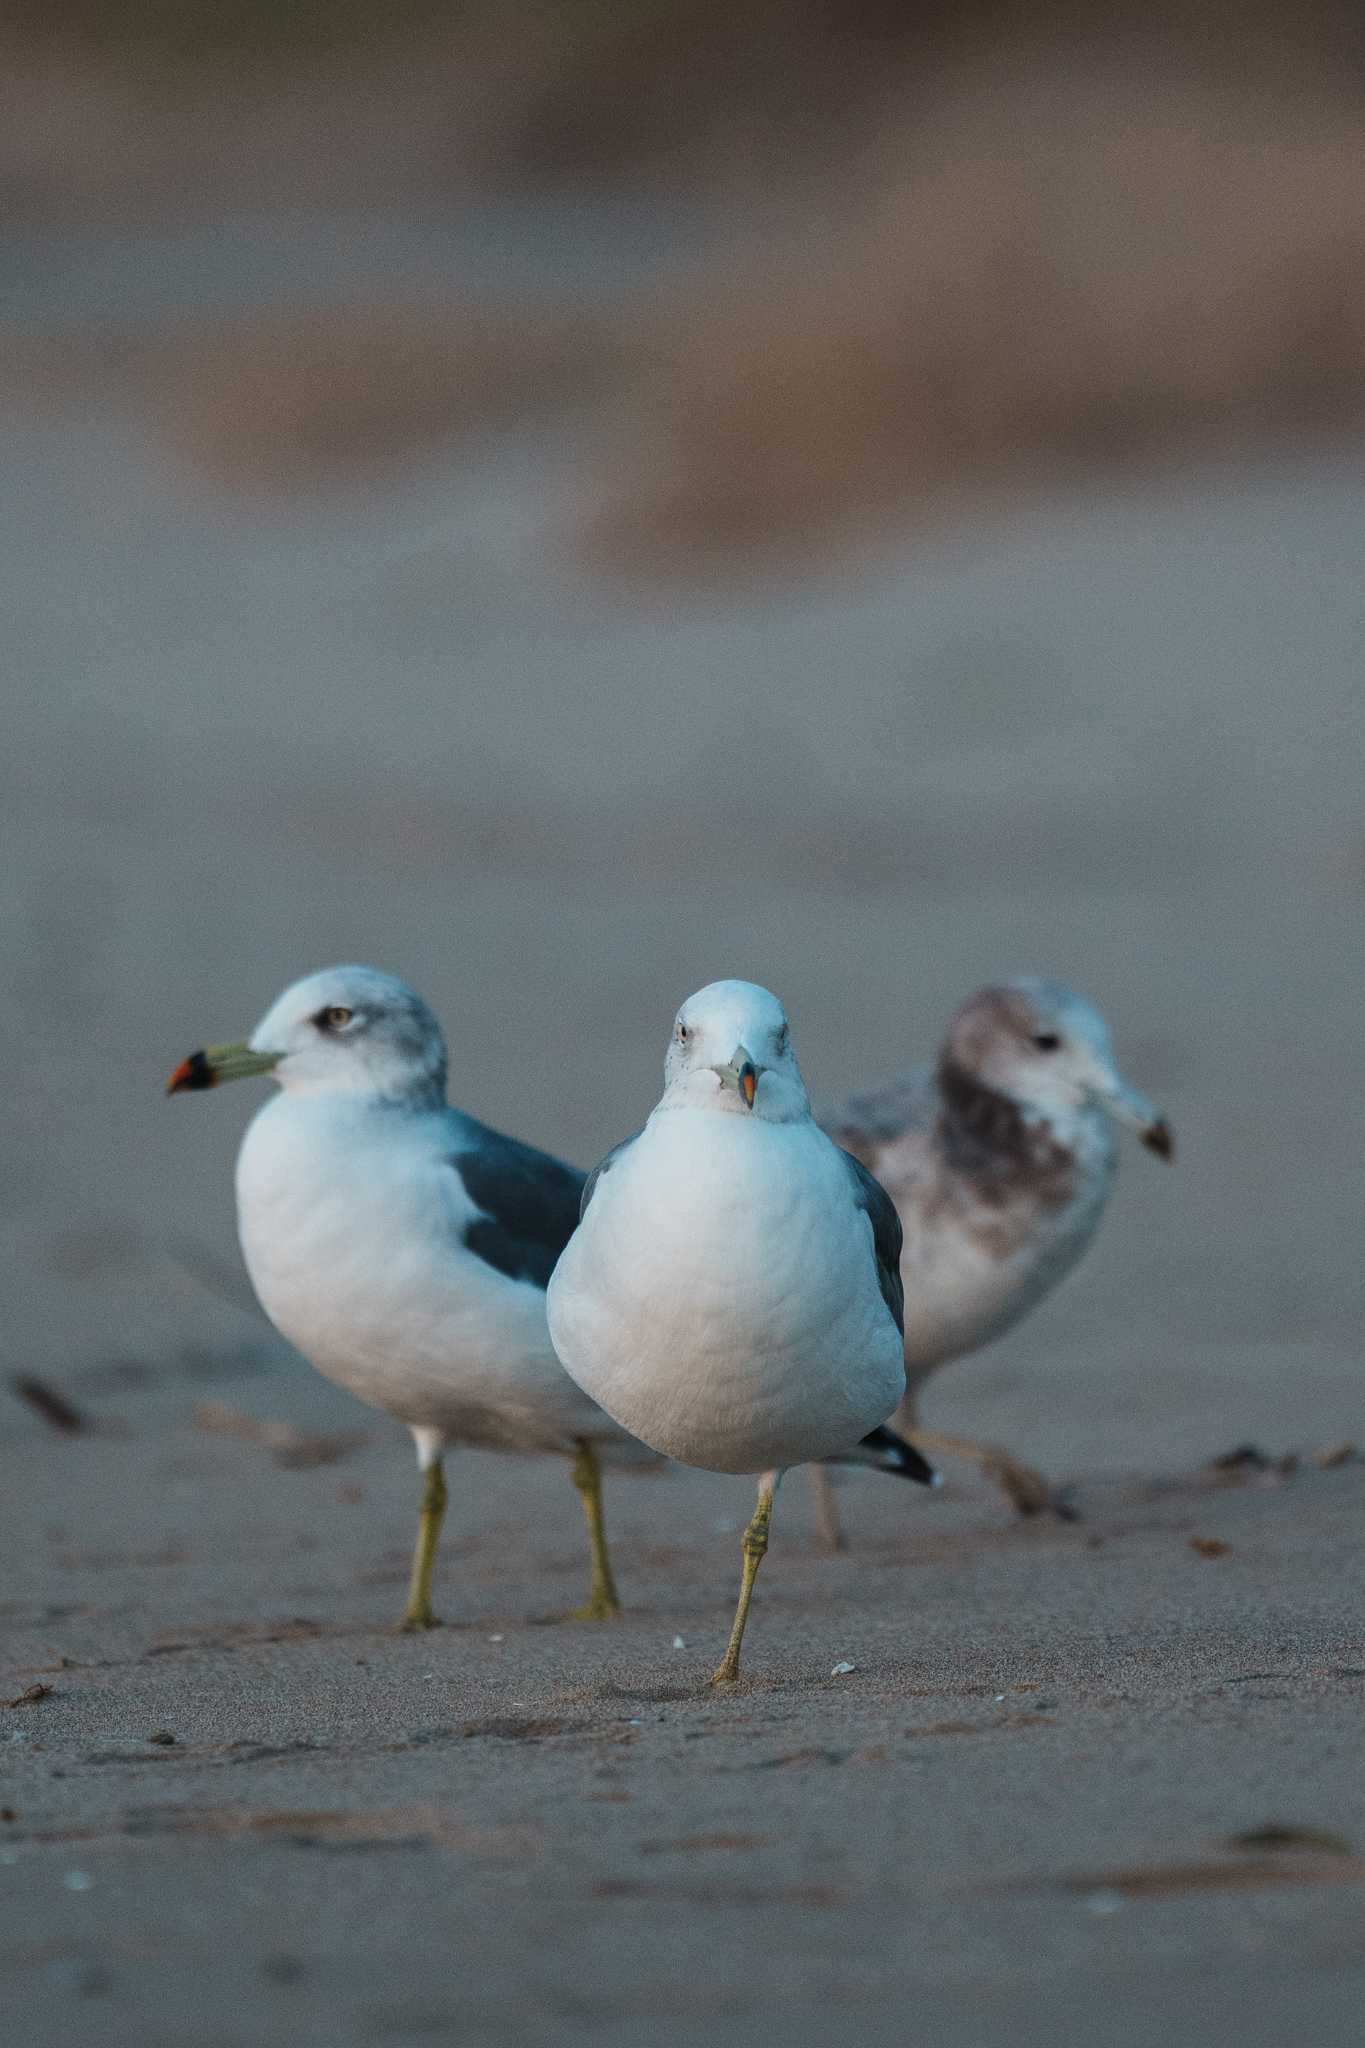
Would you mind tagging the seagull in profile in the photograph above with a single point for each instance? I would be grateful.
(1000, 1160)
(404, 1248)
(732, 1295)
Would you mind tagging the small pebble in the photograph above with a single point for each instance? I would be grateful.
(9, 1857)
(1103, 1901)
(78, 1880)
(842, 1668)
(162, 1737)
(678, 1643)
(497, 1639)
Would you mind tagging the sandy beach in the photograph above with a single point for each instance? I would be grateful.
(1114, 736)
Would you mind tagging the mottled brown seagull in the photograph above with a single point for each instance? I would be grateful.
(1000, 1160)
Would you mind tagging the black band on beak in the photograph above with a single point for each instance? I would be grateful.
(195, 1072)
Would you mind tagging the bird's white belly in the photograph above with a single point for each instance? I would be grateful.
(958, 1295)
(970, 1273)
(364, 1272)
(720, 1298)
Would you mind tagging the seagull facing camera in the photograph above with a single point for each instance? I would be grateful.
(710, 1060)
(732, 1294)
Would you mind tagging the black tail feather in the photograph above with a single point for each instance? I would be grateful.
(887, 1452)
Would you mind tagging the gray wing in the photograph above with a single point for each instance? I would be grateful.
(864, 1122)
(603, 1165)
(529, 1202)
(887, 1236)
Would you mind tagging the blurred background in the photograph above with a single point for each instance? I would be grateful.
(566, 501)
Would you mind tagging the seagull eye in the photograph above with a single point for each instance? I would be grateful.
(335, 1018)
(683, 1034)
(1047, 1041)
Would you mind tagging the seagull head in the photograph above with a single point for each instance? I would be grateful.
(1049, 1051)
(343, 1031)
(731, 1050)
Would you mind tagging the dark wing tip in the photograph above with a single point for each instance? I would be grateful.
(892, 1453)
(884, 1451)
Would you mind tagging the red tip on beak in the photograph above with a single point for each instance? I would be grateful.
(748, 1083)
(195, 1072)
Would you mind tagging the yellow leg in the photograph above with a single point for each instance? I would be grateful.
(601, 1603)
(825, 1501)
(754, 1546)
(419, 1614)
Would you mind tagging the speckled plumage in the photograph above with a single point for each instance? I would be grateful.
(999, 1158)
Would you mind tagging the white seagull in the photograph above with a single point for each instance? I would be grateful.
(1000, 1160)
(732, 1294)
(404, 1247)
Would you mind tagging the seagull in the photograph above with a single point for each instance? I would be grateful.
(999, 1160)
(404, 1248)
(732, 1294)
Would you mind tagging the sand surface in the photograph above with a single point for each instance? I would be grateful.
(1115, 738)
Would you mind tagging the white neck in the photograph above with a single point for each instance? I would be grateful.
(780, 1098)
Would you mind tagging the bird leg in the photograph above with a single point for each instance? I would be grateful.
(754, 1545)
(601, 1603)
(828, 1526)
(430, 1513)
(1027, 1492)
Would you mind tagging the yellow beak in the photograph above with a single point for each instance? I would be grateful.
(741, 1074)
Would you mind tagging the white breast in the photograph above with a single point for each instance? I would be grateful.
(351, 1224)
(720, 1298)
